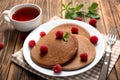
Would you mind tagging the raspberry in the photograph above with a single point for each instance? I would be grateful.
(94, 39)
(84, 56)
(93, 22)
(78, 18)
(74, 30)
(23, 36)
(42, 33)
(59, 34)
(57, 68)
(43, 49)
(1, 45)
(32, 43)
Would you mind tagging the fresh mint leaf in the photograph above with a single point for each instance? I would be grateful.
(65, 37)
(93, 6)
(93, 14)
(68, 15)
(68, 6)
(72, 9)
(80, 6)
(63, 5)
(80, 14)
(63, 10)
(74, 16)
(92, 11)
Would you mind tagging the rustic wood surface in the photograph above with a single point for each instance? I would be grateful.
(109, 11)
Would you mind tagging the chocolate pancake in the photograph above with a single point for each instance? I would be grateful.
(59, 51)
(67, 28)
(84, 45)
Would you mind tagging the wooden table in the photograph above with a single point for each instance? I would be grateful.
(109, 11)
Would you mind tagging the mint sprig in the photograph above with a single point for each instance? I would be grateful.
(73, 12)
(65, 37)
(93, 6)
(92, 11)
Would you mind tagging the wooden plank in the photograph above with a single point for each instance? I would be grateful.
(112, 76)
(109, 21)
(45, 5)
(107, 14)
(30, 76)
(5, 58)
(9, 42)
(3, 5)
(55, 8)
(115, 9)
(15, 71)
(117, 66)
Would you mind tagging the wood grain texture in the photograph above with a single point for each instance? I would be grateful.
(109, 11)
(113, 75)
(115, 10)
(9, 42)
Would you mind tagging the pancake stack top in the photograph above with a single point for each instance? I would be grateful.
(66, 53)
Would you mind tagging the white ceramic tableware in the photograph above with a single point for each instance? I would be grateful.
(23, 26)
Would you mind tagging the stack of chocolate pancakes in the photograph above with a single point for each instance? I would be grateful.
(65, 53)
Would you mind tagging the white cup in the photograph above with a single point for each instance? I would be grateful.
(23, 26)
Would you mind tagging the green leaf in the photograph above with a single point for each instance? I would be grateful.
(79, 7)
(93, 14)
(73, 12)
(93, 6)
(63, 10)
(63, 5)
(65, 37)
(74, 16)
(72, 9)
(68, 5)
(79, 14)
(68, 15)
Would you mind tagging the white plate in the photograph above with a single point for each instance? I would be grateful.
(47, 27)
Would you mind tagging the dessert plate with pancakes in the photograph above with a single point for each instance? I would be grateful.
(64, 53)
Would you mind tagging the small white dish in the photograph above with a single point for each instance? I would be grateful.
(50, 25)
